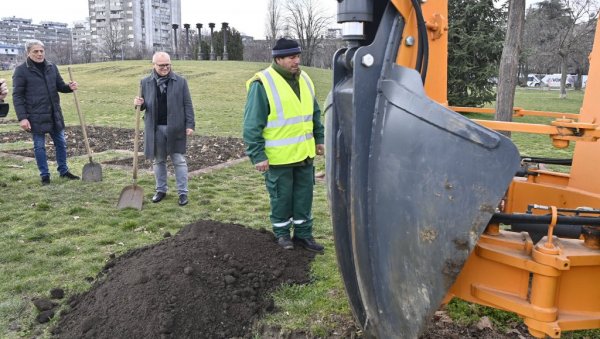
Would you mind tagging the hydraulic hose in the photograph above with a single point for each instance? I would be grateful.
(549, 161)
(423, 51)
(509, 219)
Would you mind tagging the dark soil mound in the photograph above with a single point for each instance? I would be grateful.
(211, 280)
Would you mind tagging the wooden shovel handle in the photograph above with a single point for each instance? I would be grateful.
(136, 137)
(81, 119)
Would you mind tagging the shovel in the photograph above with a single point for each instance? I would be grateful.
(91, 171)
(133, 195)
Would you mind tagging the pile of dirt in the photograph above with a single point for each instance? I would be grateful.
(211, 280)
(202, 152)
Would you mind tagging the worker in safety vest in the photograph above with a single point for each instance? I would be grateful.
(283, 133)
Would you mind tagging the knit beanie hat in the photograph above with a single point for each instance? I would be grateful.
(285, 47)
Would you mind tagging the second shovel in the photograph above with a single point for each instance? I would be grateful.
(92, 171)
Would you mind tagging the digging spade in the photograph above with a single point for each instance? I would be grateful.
(91, 171)
(133, 195)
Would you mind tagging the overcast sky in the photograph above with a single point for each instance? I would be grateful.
(247, 16)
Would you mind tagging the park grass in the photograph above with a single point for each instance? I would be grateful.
(60, 235)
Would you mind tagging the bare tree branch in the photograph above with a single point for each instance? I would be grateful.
(113, 40)
(307, 23)
(274, 21)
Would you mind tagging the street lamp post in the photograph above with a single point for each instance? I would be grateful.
(175, 27)
(224, 27)
(187, 40)
(212, 48)
(199, 27)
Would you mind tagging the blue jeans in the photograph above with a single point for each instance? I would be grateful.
(160, 163)
(39, 149)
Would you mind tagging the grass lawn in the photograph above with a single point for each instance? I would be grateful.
(57, 235)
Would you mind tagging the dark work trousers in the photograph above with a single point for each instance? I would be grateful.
(291, 194)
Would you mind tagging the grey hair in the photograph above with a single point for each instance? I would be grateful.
(162, 54)
(33, 42)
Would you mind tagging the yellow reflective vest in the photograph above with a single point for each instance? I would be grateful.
(289, 131)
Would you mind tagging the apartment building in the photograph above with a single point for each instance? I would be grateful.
(140, 24)
(16, 31)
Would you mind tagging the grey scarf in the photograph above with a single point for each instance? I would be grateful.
(161, 82)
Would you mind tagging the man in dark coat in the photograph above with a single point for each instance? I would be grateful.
(36, 84)
(3, 94)
(168, 121)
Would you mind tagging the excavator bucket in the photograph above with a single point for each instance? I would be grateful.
(339, 198)
(411, 184)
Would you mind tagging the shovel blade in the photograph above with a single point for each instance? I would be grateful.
(131, 197)
(92, 172)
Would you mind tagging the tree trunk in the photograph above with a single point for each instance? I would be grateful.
(509, 62)
(563, 75)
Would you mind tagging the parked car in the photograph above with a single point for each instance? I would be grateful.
(533, 81)
(553, 80)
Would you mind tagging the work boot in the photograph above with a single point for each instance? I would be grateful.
(285, 242)
(309, 244)
(46, 180)
(69, 176)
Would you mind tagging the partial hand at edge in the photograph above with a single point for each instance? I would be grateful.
(3, 89)
(262, 166)
(25, 125)
(320, 149)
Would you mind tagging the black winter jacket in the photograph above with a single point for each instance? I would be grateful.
(35, 96)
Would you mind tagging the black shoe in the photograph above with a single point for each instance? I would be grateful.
(69, 176)
(285, 242)
(158, 196)
(46, 180)
(183, 200)
(310, 244)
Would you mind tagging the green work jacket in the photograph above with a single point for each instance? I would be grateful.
(271, 126)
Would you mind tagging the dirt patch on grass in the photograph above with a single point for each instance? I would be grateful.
(211, 280)
(203, 151)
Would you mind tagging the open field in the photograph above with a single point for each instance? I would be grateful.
(61, 234)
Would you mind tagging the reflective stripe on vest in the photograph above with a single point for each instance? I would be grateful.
(288, 133)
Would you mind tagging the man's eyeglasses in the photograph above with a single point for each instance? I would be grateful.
(163, 65)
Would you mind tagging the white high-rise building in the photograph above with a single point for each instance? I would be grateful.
(143, 24)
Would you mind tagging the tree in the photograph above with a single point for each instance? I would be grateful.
(86, 50)
(235, 48)
(307, 23)
(509, 62)
(274, 18)
(475, 41)
(559, 29)
(113, 40)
